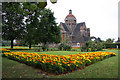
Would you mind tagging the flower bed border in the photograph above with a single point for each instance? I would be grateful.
(52, 67)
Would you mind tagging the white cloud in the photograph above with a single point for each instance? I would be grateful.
(101, 16)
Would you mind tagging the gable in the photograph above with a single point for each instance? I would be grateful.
(64, 27)
(78, 27)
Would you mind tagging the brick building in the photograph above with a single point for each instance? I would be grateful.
(76, 33)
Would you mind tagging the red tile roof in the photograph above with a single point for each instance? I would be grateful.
(70, 15)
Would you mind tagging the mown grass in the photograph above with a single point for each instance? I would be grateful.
(107, 68)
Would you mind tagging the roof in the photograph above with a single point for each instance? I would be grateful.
(76, 32)
(70, 15)
(65, 27)
(77, 28)
(80, 39)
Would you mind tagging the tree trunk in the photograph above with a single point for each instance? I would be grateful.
(11, 43)
(29, 45)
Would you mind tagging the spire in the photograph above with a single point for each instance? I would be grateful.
(70, 11)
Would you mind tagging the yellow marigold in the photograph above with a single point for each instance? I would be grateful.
(69, 64)
(83, 60)
(43, 62)
(77, 65)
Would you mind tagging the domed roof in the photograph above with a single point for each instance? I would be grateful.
(70, 15)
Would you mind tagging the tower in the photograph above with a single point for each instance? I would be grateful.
(77, 33)
(70, 21)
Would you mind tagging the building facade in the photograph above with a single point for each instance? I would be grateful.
(75, 33)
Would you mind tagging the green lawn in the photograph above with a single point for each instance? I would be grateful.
(107, 68)
(59, 52)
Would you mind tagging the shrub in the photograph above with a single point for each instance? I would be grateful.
(64, 47)
(92, 46)
(73, 50)
(37, 49)
(44, 47)
(60, 46)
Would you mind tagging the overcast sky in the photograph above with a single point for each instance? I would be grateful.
(101, 16)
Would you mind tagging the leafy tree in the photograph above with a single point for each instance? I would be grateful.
(48, 27)
(109, 40)
(109, 43)
(40, 25)
(12, 19)
(43, 3)
(31, 12)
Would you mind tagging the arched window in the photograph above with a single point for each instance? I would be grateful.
(84, 32)
(80, 32)
(78, 44)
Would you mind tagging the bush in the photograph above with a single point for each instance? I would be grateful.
(53, 49)
(38, 49)
(73, 50)
(67, 48)
(64, 47)
(44, 47)
(92, 46)
(61, 46)
(112, 45)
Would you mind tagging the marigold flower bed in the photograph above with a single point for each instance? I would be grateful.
(113, 48)
(58, 64)
(4, 50)
(8, 49)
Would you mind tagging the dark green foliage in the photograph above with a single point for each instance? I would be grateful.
(92, 46)
(64, 47)
(109, 43)
(109, 40)
(44, 47)
(40, 25)
(42, 4)
(112, 45)
(12, 21)
(48, 27)
(31, 12)
(61, 46)
(29, 23)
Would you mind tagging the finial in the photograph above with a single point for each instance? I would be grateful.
(70, 11)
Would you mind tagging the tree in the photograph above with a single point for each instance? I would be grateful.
(42, 3)
(50, 31)
(40, 25)
(109, 40)
(31, 14)
(12, 19)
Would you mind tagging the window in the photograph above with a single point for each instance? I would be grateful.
(78, 44)
(84, 32)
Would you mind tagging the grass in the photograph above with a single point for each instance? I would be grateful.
(59, 52)
(107, 68)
